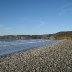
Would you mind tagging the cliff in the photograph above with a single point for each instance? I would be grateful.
(59, 35)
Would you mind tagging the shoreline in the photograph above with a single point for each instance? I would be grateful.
(54, 57)
(5, 55)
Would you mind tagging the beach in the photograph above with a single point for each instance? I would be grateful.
(56, 57)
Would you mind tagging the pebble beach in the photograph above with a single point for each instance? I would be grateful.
(56, 57)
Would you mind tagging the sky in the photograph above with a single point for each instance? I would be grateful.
(35, 16)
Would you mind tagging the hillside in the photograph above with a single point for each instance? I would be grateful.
(63, 35)
(59, 35)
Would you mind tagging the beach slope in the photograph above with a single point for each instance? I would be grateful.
(56, 57)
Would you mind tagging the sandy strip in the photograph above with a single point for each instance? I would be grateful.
(56, 57)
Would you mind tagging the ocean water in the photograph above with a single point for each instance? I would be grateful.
(8, 46)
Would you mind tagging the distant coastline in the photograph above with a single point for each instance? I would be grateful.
(58, 35)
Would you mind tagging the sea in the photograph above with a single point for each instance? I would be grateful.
(8, 46)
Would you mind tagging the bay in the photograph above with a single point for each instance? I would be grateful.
(8, 46)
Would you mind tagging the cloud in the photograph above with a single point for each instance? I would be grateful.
(33, 22)
(5, 28)
(62, 12)
(64, 9)
(42, 24)
(1, 26)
